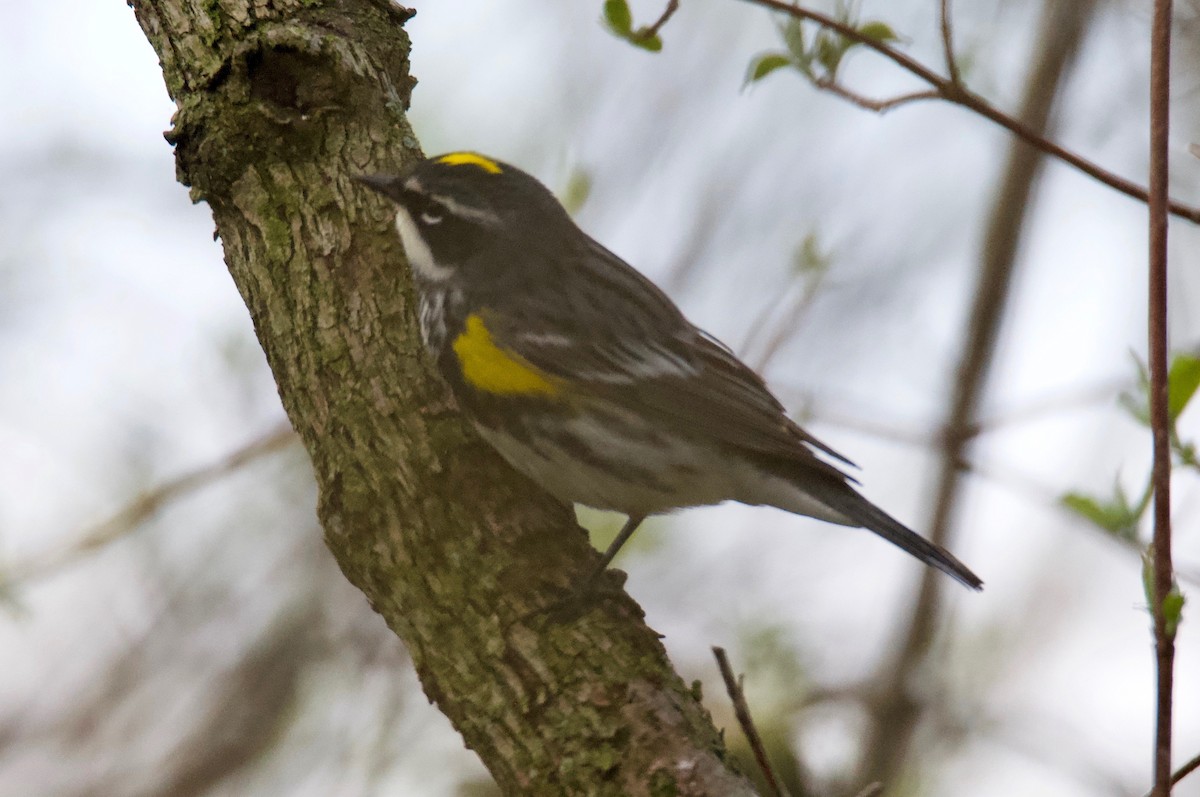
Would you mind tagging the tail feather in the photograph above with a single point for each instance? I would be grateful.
(846, 501)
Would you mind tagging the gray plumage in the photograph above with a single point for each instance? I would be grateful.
(648, 413)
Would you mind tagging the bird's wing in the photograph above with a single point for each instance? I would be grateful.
(628, 342)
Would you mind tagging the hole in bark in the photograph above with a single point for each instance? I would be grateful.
(290, 79)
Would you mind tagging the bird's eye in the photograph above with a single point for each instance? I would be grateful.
(423, 209)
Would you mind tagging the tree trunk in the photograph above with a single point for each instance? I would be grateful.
(279, 103)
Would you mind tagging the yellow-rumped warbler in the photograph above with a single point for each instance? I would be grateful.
(585, 377)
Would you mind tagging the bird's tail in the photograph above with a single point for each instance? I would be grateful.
(858, 511)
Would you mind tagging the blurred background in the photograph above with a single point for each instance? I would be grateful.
(173, 625)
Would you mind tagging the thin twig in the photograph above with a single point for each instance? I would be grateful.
(1186, 770)
(948, 43)
(1164, 637)
(145, 505)
(879, 429)
(869, 104)
(1036, 493)
(787, 325)
(1051, 404)
(867, 420)
(741, 710)
(897, 710)
(871, 790)
(958, 94)
(1181, 773)
(668, 12)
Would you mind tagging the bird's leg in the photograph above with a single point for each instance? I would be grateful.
(579, 599)
(631, 525)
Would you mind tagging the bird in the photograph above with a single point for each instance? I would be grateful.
(587, 378)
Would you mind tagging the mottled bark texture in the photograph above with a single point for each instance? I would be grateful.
(279, 102)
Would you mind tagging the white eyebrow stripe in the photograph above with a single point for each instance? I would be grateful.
(456, 208)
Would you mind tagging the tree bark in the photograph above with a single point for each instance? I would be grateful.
(279, 103)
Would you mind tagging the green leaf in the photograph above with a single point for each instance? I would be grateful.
(1183, 379)
(810, 259)
(1172, 608)
(1115, 516)
(1188, 456)
(652, 43)
(1172, 605)
(577, 191)
(830, 49)
(793, 37)
(619, 20)
(766, 64)
(879, 31)
(1148, 579)
(618, 17)
(1183, 382)
(1136, 404)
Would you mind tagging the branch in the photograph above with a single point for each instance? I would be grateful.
(651, 31)
(948, 42)
(741, 709)
(954, 92)
(1180, 774)
(869, 104)
(142, 508)
(1160, 423)
(1186, 770)
(1060, 401)
(897, 711)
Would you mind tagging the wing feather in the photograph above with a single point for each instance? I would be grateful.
(648, 355)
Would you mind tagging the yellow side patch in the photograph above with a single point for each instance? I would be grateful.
(491, 369)
(470, 159)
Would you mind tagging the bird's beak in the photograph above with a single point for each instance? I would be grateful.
(386, 184)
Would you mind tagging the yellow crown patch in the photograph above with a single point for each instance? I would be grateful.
(491, 369)
(471, 159)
